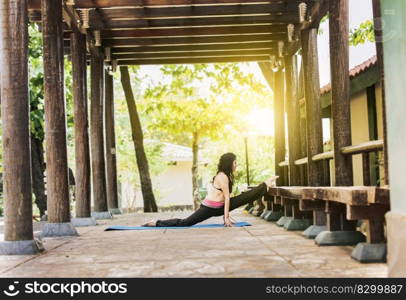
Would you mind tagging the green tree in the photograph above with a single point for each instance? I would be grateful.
(37, 113)
(201, 102)
(363, 33)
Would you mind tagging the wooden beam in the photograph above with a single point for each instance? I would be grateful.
(194, 48)
(314, 132)
(111, 161)
(58, 207)
(279, 120)
(193, 40)
(194, 22)
(371, 212)
(378, 29)
(135, 56)
(293, 118)
(35, 4)
(82, 154)
(340, 90)
(15, 121)
(317, 12)
(308, 205)
(97, 135)
(202, 60)
(274, 8)
(199, 31)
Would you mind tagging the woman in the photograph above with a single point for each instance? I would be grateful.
(218, 201)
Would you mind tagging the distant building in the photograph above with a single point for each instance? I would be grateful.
(173, 187)
(366, 115)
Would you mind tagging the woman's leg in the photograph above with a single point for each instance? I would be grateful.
(203, 213)
(248, 196)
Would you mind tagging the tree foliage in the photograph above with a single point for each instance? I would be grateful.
(363, 33)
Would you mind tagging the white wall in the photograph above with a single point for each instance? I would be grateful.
(172, 187)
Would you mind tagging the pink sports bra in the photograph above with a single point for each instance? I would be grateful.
(213, 204)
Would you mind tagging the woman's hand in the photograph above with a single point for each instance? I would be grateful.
(228, 222)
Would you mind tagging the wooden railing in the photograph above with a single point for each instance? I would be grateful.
(363, 148)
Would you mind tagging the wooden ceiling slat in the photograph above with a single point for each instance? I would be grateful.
(185, 48)
(135, 56)
(194, 40)
(202, 60)
(200, 11)
(191, 22)
(209, 31)
(36, 4)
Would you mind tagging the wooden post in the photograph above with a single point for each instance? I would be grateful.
(97, 136)
(313, 106)
(376, 6)
(55, 120)
(111, 162)
(15, 126)
(314, 130)
(293, 118)
(82, 187)
(279, 119)
(337, 225)
(340, 90)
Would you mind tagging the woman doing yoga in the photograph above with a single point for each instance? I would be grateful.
(218, 201)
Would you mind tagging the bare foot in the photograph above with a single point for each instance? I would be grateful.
(270, 182)
(149, 224)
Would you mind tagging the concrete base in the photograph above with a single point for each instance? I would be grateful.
(283, 220)
(82, 222)
(297, 224)
(339, 238)
(264, 213)
(396, 234)
(273, 216)
(369, 253)
(27, 247)
(115, 211)
(58, 230)
(101, 215)
(312, 231)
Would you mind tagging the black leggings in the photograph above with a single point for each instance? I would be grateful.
(205, 212)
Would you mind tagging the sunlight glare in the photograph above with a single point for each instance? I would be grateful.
(261, 122)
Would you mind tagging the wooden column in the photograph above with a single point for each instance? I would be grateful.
(293, 118)
(82, 187)
(96, 133)
(55, 120)
(340, 90)
(340, 94)
(376, 5)
(279, 119)
(15, 121)
(314, 129)
(111, 162)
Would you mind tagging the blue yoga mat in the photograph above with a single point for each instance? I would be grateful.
(118, 227)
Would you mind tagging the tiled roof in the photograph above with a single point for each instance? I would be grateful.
(354, 72)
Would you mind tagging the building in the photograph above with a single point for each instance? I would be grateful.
(172, 188)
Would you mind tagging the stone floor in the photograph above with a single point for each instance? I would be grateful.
(261, 250)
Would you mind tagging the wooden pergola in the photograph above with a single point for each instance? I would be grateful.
(109, 33)
(185, 31)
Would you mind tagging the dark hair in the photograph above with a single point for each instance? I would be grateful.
(225, 165)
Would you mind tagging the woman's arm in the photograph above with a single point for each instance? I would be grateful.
(223, 180)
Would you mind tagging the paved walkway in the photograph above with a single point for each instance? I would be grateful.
(261, 250)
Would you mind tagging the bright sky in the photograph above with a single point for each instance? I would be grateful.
(360, 10)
